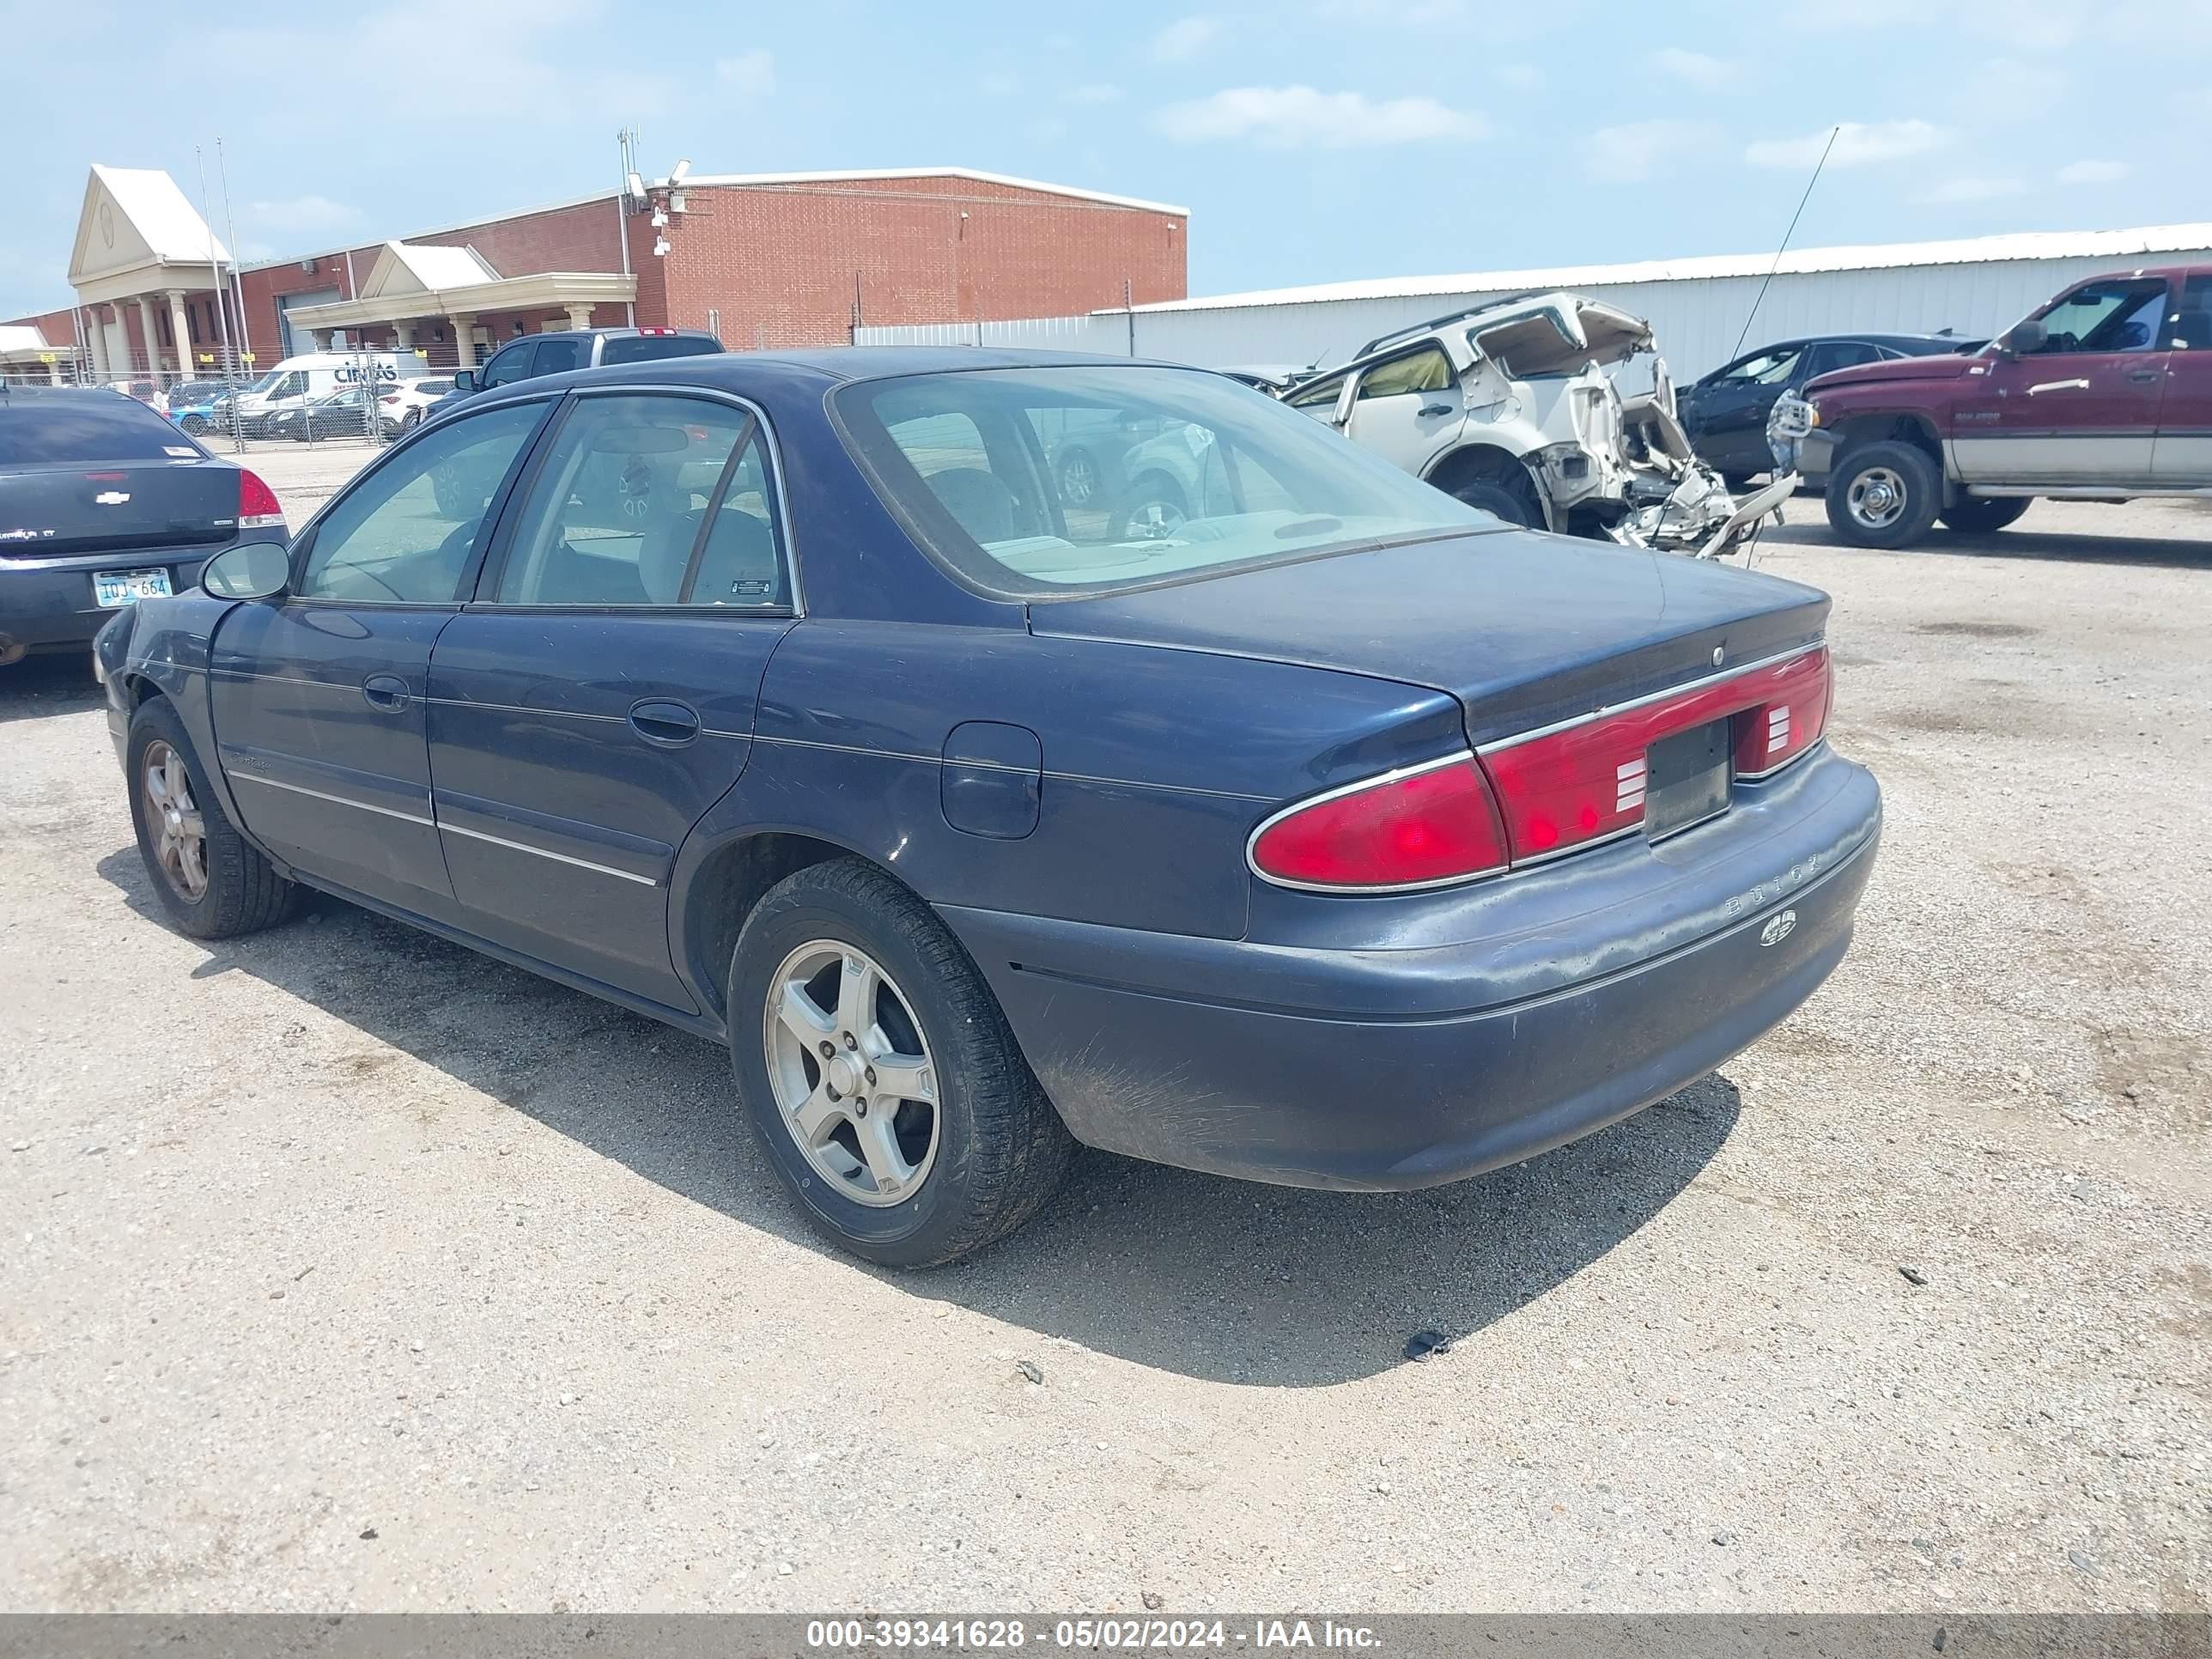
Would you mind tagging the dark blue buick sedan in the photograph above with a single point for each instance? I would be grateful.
(1287, 819)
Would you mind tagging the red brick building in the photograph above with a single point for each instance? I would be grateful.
(764, 260)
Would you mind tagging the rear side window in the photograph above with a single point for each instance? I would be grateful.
(646, 348)
(93, 428)
(648, 500)
(556, 356)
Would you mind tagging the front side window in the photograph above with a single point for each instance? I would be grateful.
(512, 364)
(649, 500)
(1227, 477)
(1768, 368)
(404, 534)
(1423, 371)
(2113, 315)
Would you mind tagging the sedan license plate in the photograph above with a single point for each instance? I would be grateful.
(114, 589)
(1690, 775)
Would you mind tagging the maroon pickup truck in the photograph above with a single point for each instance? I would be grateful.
(2105, 394)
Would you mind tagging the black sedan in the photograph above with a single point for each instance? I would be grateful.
(104, 502)
(1341, 837)
(350, 412)
(1725, 413)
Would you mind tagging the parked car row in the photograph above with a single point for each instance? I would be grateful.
(1217, 844)
(2104, 393)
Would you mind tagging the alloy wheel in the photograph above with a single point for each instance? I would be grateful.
(174, 825)
(1079, 478)
(853, 1081)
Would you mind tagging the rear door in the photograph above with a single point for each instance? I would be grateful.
(598, 696)
(1408, 408)
(2084, 408)
(319, 716)
(2182, 457)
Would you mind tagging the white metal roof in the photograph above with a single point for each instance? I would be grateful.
(434, 266)
(864, 173)
(2028, 245)
(157, 209)
(22, 337)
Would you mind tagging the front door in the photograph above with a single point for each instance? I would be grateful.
(2080, 409)
(318, 698)
(1407, 409)
(598, 696)
(2182, 458)
(1725, 414)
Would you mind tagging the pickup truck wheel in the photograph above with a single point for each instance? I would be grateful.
(210, 882)
(1501, 500)
(1978, 515)
(1884, 495)
(880, 1075)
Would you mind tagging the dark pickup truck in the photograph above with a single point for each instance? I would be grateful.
(2104, 394)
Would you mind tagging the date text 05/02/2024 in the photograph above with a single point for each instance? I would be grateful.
(1092, 1635)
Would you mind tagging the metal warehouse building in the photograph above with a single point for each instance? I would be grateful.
(1698, 307)
(763, 259)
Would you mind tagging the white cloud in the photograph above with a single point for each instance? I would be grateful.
(1102, 92)
(1858, 144)
(1696, 68)
(1184, 38)
(2093, 173)
(1636, 150)
(304, 215)
(750, 74)
(1955, 191)
(1297, 118)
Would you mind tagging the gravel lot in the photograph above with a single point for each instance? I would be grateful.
(348, 1270)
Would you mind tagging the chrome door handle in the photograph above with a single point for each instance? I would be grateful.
(387, 693)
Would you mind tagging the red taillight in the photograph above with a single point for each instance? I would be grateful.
(1562, 789)
(656, 332)
(1789, 721)
(1422, 828)
(258, 507)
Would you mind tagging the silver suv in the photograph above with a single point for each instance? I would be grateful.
(1514, 407)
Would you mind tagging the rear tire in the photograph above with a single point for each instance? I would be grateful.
(992, 1149)
(1980, 514)
(1884, 495)
(1510, 497)
(212, 884)
(1153, 510)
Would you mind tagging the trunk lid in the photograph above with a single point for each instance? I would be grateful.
(1524, 629)
(60, 508)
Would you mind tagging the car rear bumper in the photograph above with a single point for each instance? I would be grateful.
(46, 604)
(1383, 1069)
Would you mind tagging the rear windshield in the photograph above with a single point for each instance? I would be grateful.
(91, 427)
(1053, 482)
(644, 348)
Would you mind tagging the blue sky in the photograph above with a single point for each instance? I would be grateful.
(1312, 139)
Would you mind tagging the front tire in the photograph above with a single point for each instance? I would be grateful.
(880, 1075)
(1979, 514)
(210, 882)
(195, 425)
(1884, 495)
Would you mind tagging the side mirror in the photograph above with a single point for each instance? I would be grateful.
(464, 379)
(2023, 338)
(250, 570)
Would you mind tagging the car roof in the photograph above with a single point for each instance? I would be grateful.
(737, 370)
